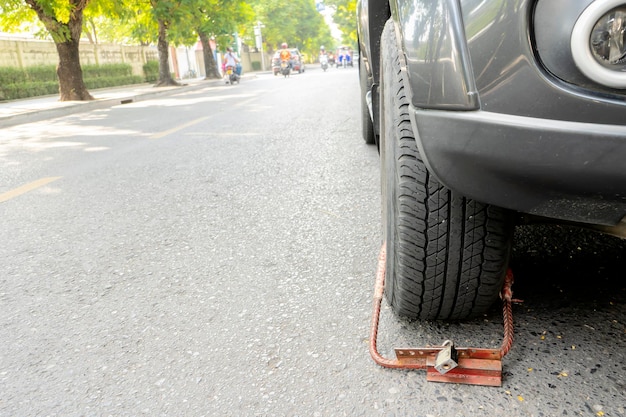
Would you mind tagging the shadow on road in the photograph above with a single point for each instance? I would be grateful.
(557, 266)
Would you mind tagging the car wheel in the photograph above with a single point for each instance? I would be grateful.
(446, 254)
(367, 127)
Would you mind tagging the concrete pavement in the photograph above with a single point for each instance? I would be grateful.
(41, 108)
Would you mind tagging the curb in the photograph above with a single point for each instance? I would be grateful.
(60, 109)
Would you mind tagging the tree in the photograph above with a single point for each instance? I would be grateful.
(167, 13)
(210, 66)
(214, 18)
(63, 19)
(296, 22)
(345, 19)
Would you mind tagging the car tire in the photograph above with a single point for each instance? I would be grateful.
(367, 127)
(446, 254)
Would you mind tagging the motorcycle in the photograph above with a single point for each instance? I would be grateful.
(343, 61)
(231, 75)
(324, 62)
(285, 68)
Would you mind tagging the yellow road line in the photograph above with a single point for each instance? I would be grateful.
(177, 128)
(26, 188)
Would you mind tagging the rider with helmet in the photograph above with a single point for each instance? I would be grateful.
(285, 54)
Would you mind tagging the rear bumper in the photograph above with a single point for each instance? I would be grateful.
(559, 169)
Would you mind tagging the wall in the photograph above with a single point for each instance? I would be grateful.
(184, 62)
(24, 53)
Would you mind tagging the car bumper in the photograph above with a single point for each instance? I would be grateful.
(559, 169)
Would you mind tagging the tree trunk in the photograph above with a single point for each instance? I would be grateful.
(71, 84)
(210, 66)
(165, 78)
(66, 38)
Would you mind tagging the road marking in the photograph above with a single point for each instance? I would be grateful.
(233, 134)
(177, 128)
(26, 188)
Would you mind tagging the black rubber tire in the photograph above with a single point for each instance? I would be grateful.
(367, 127)
(446, 254)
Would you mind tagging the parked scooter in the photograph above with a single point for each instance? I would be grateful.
(324, 62)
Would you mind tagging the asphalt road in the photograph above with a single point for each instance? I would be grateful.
(213, 253)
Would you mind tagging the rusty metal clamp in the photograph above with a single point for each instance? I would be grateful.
(447, 363)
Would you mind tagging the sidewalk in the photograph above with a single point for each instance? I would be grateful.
(41, 108)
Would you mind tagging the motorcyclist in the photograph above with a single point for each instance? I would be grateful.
(323, 58)
(285, 54)
(231, 60)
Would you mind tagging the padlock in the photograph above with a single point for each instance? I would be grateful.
(447, 358)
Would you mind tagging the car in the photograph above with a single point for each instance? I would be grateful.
(276, 63)
(488, 114)
(297, 62)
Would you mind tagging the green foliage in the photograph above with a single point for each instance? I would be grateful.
(40, 73)
(104, 82)
(151, 71)
(345, 19)
(16, 83)
(28, 89)
(296, 22)
(46, 73)
(14, 13)
(256, 66)
(107, 71)
(10, 75)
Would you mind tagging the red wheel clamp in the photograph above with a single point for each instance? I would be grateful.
(447, 363)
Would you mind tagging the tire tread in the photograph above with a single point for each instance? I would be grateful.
(450, 253)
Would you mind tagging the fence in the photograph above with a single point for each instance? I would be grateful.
(22, 53)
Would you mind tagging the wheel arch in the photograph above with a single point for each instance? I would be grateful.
(432, 39)
(372, 15)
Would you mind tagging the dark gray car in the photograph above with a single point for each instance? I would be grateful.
(489, 113)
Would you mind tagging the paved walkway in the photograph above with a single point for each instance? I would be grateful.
(41, 108)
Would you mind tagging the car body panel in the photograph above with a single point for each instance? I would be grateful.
(529, 165)
(437, 60)
(372, 15)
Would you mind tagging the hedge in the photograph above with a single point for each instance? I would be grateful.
(151, 71)
(16, 83)
(28, 89)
